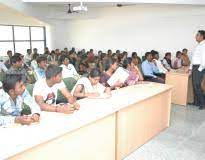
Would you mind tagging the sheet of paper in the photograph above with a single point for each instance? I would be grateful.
(120, 75)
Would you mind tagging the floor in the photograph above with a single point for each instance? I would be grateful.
(183, 140)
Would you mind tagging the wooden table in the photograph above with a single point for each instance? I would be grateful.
(182, 92)
(103, 129)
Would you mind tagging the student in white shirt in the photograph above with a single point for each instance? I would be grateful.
(45, 92)
(90, 87)
(157, 62)
(3, 67)
(197, 69)
(68, 69)
(28, 57)
(167, 63)
(34, 64)
(14, 98)
(177, 63)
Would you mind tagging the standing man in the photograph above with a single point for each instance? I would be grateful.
(197, 68)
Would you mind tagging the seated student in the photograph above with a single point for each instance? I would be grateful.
(53, 58)
(13, 101)
(45, 92)
(34, 63)
(185, 57)
(177, 63)
(90, 87)
(134, 55)
(167, 62)
(68, 69)
(83, 69)
(111, 66)
(3, 67)
(17, 67)
(28, 57)
(8, 61)
(134, 73)
(157, 62)
(150, 69)
(39, 72)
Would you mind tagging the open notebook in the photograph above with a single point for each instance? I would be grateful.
(120, 74)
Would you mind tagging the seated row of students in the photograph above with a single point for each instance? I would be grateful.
(182, 59)
(154, 70)
(49, 81)
(14, 97)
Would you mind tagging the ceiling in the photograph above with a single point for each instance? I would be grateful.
(107, 3)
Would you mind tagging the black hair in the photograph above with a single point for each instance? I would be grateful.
(109, 62)
(19, 54)
(117, 51)
(153, 52)
(184, 50)
(134, 54)
(62, 58)
(167, 54)
(147, 54)
(10, 81)
(28, 50)
(9, 51)
(178, 52)
(15, 58)
(202, 33)
(94, 73)
(52, 70)
(52, 52)
(126, 62)
(41, 58)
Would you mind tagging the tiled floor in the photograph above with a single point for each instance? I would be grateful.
(183, 140)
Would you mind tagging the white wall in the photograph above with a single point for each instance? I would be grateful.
(135, 28)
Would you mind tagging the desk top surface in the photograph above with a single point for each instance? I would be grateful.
(16, 139)
(181, 71)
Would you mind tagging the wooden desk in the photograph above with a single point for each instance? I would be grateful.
(182, 92)
(103, 129)
(141, 121)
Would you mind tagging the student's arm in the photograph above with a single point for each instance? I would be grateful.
(10, 120)
(35, 109)
(74, 71)
(141, 78)
(108, 90)
(67, 109)
(78, 92)
(70, 98)
(155, 68)
(68, 95)
(202, 62)
(44, 106)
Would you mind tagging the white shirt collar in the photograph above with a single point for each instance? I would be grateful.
(202, 42)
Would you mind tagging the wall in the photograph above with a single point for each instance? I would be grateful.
(135, 28)
(9, 16)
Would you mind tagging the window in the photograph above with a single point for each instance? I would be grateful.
(21, 33)
(20, 38)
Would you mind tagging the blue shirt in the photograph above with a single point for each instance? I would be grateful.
(10, 109)
(40, 73)
(149, 68)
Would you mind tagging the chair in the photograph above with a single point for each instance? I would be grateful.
(29, 88)
(70, 83)
(2, 75)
